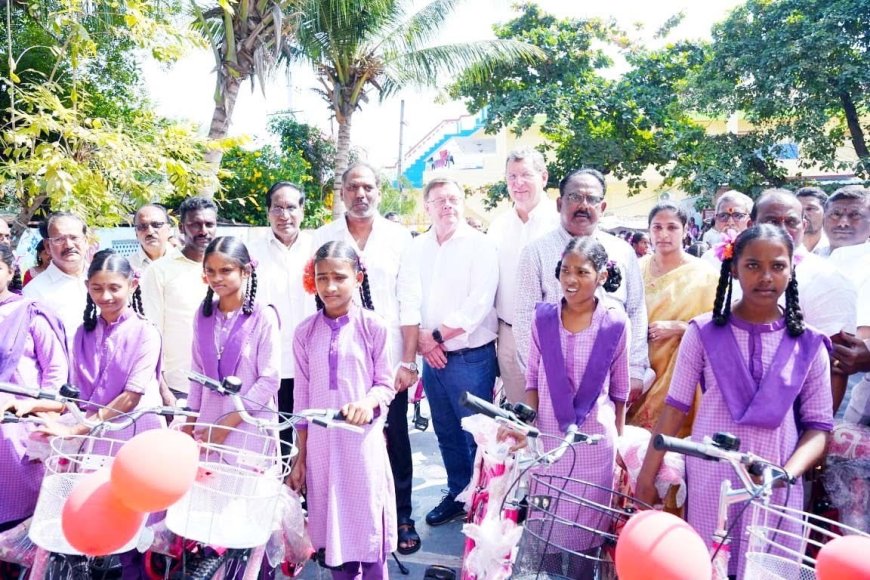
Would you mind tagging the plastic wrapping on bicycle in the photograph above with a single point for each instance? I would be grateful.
(478, 405)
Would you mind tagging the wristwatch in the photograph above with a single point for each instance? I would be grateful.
(411, 366)
(436, 334)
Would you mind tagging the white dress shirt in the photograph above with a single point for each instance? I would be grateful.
(853, 262)
(458, 280)
(140, 260)
(172, 289)
(537, 282)
(510, 236)
(279, 282)
(395, 292)
(66, 295)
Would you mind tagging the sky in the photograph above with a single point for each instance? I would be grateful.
(185, 90)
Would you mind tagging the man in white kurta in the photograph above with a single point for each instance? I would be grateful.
(458, 274)
(533, 214)
(581, 202)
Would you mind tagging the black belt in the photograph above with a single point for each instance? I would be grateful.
(465, 350)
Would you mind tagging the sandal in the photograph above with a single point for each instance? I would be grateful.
(409, 537)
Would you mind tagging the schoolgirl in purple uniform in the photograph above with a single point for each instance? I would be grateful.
(765, 378)
(342, 362)
(32, 354)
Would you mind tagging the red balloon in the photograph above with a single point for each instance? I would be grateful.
(660, 545)
(844, 558)
(94, 521)
(154, 469)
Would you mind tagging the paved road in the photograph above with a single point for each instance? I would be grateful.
(441, 545)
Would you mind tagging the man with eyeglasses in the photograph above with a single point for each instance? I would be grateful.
(173, 288)
(153, 229)
(731, 218)
(458, 274)
(533, 214)
(62, 285)
(580, 204)
(384, 246)
(281, 255)
(827, 298)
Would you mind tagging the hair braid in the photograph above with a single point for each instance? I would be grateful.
(15, 285)
(250, 294)
(137, 301)
(207, 307)
(90, 317)
(318, 302)
(794, 317)
(365, 292)
(722, 303)
(614, 277)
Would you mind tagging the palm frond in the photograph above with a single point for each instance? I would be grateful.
(410, 34)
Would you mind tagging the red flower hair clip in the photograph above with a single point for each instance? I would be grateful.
(308, 283)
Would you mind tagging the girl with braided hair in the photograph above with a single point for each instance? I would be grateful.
(342, 362)
(233, 336)
(765, 378)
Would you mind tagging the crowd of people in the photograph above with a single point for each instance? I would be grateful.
(758, 336)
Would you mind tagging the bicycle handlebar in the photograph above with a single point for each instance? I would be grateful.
(478, 405)
(687, 447)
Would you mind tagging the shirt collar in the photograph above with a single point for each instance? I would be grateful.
(55, 273)
(545, 206)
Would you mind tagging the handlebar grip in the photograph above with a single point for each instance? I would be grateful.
(68, 391)
(10, 418)
(684, 447)
(478, 405)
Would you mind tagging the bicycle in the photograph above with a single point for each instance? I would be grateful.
(70, 459)
(780, 537)
(227, 517)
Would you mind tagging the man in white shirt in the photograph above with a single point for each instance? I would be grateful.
(61, 286)
(384, 246)
(732, 214)
(5, 233)
(813, 201)
(173, 288)
(153, 229)
(581, 203)
(533, 215)
(827, 298)
(281, 257)
(458, 274)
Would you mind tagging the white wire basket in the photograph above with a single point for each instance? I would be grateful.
(783, 542)
(232, 503)
(71, 459)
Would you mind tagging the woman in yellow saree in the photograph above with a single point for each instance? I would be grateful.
(678, 288)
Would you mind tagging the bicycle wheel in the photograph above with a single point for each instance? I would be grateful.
(64, 567)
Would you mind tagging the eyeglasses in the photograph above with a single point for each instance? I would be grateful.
(61, 240)
(144, 227)
(790, 222)
(735, 215)
(442, 201)
(583, 198)
(281, 211)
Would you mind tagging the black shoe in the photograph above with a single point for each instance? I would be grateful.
(448, 510)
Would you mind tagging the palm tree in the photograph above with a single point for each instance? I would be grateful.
(355, 46)
(247, 38)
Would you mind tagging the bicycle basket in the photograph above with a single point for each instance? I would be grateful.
(71, 459)
(780, 539)
(232, 503)
(571, 529)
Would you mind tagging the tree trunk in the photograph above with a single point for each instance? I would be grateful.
(854, 123)
(342, 154)
(25, 215)
(220, 125)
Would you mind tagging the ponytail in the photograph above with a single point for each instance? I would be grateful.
(722, 303)
(136, 301)
(794, 317)
(250, 293)
(365, 292)
(90, 317)
(207, 306)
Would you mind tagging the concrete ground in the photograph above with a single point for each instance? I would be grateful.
(442, 545)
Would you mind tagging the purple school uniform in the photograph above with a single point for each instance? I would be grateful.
(124, 355)
(579, 383)
(245, 346)
(351, 501)
(777, 387)
(33, 354)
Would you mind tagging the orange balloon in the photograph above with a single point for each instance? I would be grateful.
(154, 469)
(844, 558)
(94, 521)
(660, 545)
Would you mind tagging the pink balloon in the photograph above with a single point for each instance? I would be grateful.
(660, 545)
(154, 469)
(845, 558)
(94, 521)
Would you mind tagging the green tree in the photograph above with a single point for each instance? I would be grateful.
(315, 148)
(359, 46)
(401, 201)
(798, 70)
